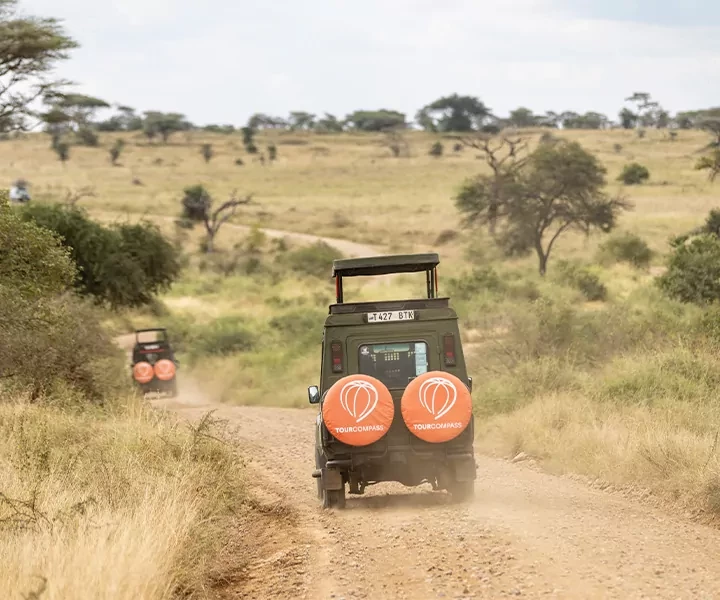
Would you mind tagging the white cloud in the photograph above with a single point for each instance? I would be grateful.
(221, 60)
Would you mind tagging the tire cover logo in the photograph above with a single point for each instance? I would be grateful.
(143, 372)
(438, 395)
(164, 370)
(436, 406)
(359, 399)
(358, 410)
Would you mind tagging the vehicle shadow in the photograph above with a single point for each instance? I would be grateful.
(399, 501)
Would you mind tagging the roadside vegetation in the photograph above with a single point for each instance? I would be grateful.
(583, 262)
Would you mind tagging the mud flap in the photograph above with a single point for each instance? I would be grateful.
(465, 469)
(331, 479)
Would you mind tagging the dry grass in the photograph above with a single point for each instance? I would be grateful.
(357, 191)
(670, 449)
(124, 505)
(348, 186)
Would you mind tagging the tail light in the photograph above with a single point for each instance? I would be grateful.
(337, 357)
(449, 349)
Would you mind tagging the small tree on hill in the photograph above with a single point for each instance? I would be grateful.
(207, 152)
(198, 207)
(272, 153)
(711, 164)
(62, 149)
(116, 151)
(163, 124)
(557, 188)
(436, 150)
(634, 174)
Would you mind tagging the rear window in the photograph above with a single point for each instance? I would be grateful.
(393, 364)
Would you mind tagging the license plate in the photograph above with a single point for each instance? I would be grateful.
(391, 315)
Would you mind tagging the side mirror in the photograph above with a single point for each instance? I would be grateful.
(313, 394)
(470, 384)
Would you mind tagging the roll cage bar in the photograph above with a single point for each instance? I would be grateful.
(386, 265)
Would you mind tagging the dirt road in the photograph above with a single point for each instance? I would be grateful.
(527, 534)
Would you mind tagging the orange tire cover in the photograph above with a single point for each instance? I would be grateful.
(436, 407)
(165, 369)
(143, 372)
(358, 410)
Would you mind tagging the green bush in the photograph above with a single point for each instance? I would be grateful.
(315, 260)
(196, 203)
(626, 247)
(436, 149)
(480, 280)
(582, 279)
(224, 336)
(693, 273)
(87, 137)
(48, 338)
(634, 174)
(122, 265)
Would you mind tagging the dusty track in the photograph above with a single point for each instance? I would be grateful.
(527, 534)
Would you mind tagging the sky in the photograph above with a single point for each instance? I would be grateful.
(219, 61)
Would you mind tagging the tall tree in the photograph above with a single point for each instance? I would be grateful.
(301, 120)
(535, 199)
(30, 47)
(454, 113)
(376, 120)
(523, 117)
(164, 124)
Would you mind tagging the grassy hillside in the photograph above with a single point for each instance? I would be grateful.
(622, 388)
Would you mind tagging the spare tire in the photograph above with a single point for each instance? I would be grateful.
(143, 372)
(436, 407)
(165, 369)
(358, 410)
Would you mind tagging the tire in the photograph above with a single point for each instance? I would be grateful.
(462, 491)
(334, 498)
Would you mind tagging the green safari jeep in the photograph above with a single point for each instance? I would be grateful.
(394, 394)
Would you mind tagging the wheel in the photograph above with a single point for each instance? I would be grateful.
(462, 491)
(334, 498)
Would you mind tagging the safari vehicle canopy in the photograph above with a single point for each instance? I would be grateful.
(394, 388)
(152, 345)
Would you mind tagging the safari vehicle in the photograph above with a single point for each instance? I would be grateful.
(394, 394)
(154, 365)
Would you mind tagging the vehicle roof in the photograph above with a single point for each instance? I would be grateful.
(384, 265)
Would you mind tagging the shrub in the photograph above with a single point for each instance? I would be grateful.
(315, 260)
(634, 174)
(626, 247)
(47, 336)
(207, 152)
(116, 151)
(272, 152)
(123, 265)
(87, 137)
(436, 149)
(221, 337)
(480, 280)
(196, 202)
(582, 279)
(62, 149)
(693, 273)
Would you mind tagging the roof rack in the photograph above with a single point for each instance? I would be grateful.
(386, 265)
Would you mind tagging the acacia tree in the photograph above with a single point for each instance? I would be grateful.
(454, 113)
(536, 198)
(29, 49)
(198, 207)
